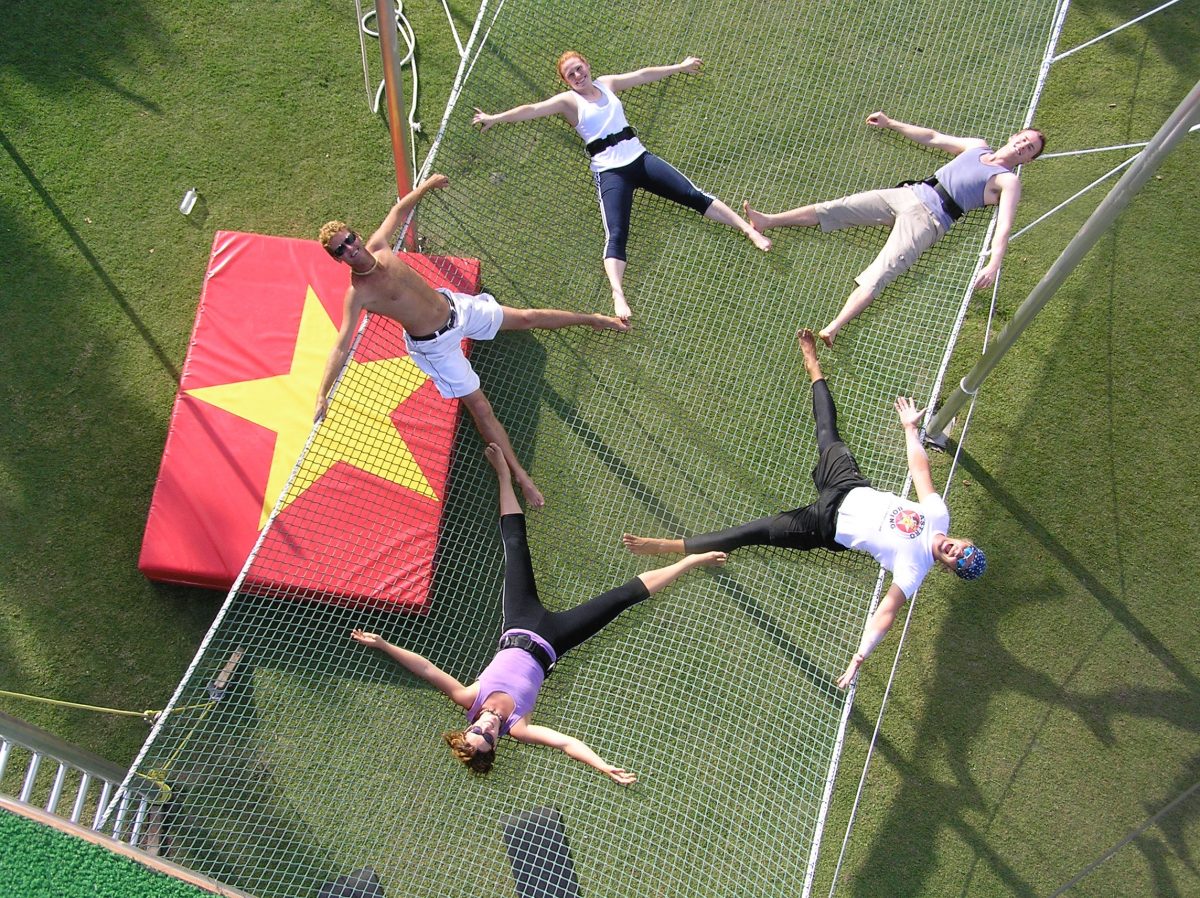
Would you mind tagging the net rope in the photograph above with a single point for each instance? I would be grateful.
(320, 758)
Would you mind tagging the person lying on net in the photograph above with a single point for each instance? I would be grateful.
(620, 162)
(906, 538)
(920, 212)
(500, 702)
(434, 321)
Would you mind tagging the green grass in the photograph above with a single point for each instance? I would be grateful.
(1036, 721)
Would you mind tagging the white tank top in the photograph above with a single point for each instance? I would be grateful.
(599, 119)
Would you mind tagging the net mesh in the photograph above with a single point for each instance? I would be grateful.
(320, 757)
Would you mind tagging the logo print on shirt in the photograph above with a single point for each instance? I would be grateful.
(907, 521)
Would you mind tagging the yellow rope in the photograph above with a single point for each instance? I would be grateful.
(147, 715)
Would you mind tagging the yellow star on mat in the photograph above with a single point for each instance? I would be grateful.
(359, 431)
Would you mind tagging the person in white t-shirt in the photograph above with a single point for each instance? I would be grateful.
(620, 162)
(906, 538)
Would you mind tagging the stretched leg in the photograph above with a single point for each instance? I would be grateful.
(824, 411)
(855, 303)
(663, 179)
(493, 431)
(754, 533)
(800, 217)
(570, 628)
(521, 605)
(553, 319)
(718, 211)
(615, 191)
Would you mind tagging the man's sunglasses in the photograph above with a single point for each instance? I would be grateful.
(965, 558)
(351, 239)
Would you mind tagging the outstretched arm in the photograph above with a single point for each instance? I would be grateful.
(1010, 195)
(918, 459)
(925, 136)
(337, 355)
(559, 104)
(420, 666)
(386, 233)
(574, 748)
(877, 627)
(617, 83)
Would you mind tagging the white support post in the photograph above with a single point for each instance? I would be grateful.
(1185, 116)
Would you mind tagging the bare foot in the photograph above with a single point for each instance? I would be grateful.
(610, 323)
(530, 491)
(827, 336)
(496, 457)
(808, 347)
(644, 545)
(621, 308)
(710, 559)
(755, 217)
(759, 240)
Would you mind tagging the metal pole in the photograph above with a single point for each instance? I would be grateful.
(385, 17)
(1185, 116)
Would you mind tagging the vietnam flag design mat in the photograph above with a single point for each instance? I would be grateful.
(359, 521)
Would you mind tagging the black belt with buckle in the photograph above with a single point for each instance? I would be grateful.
(600, 144)
(450, 323)
(529, 644)
(953, 209)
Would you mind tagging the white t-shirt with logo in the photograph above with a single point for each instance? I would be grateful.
(895, 532)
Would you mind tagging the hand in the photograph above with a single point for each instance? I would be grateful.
(482, 119)
(910, 415)
(878, 120)
(987, 277)
(620, 776)
(322, 408)
(851, 672)
(370, 640)
(691, 64)
(436, 182)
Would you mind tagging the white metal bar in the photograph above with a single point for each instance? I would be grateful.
(31, 772)
(85, 782)
(60, 777)
(1101, 37)
(102, 805)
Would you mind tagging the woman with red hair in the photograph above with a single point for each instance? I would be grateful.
(620, 163)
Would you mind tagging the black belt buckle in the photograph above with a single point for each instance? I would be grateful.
(528, 644)
(600, 144)
(449, 325)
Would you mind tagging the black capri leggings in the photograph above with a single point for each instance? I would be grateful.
(814, 525)
(562, 629)
(615, 187)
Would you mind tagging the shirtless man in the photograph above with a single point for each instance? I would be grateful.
(920, 213)
(434, 321)
(906, 538)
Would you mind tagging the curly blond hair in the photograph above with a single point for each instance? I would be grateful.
(328, 231)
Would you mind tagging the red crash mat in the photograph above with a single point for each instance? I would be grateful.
(359, 521)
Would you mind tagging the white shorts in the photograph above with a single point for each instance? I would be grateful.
(477, 318)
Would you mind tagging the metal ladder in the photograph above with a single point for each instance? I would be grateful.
(79, 776)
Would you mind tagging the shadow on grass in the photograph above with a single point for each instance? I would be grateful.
(52, 47)
(84, 250)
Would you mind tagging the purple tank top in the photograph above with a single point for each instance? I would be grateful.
(514, 672)
(965, 178)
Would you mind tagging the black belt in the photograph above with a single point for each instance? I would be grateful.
(450, 323)
(953, 209)
(600, 144)
(529, 644)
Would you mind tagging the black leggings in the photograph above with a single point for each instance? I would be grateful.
(615, 187)
(814, 525)
(562, 629)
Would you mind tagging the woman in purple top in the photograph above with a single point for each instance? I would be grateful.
(501, 700)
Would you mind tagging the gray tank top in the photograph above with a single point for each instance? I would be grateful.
(965, 178)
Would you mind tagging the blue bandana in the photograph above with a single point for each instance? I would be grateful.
(971, 564)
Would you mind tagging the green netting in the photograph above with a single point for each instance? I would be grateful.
(322, 758)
